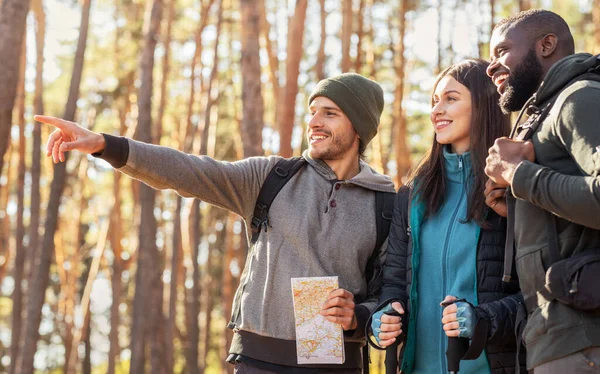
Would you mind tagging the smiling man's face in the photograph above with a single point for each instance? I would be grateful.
(330, 132)
(515, 67)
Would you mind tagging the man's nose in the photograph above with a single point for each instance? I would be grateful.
(491, 69)
(315, 121)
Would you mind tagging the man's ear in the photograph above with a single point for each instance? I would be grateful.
(547, 45)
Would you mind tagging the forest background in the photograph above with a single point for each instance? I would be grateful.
(86, 256)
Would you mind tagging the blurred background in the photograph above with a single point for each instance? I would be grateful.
(99, 274)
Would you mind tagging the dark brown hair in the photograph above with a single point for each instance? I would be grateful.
(487, 124)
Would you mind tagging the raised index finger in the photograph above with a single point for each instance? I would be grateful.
(54, 121)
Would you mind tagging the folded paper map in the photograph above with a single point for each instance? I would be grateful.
(318, 341)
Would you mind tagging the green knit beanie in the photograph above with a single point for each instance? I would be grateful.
(360, 98)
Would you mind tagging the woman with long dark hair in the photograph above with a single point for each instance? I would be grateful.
(443, 271)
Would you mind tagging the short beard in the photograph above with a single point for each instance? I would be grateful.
(338, 147)
(522, 83)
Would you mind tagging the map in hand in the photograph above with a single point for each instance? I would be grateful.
(318, 341)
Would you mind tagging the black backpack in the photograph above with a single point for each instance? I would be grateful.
(283, 171)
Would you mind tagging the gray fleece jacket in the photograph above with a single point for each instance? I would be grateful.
(321, 226)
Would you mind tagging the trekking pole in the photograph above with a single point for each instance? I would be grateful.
(391, 352)
(457, 347)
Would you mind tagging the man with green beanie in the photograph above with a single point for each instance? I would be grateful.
(321, 223)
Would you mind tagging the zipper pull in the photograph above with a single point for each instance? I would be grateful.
(460, 163)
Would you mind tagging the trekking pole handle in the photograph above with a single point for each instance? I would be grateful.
(391, 352)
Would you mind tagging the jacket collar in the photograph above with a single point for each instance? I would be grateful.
(456, 167)
(367, 177)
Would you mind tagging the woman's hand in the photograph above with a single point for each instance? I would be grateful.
(458, 318)
(387, 328)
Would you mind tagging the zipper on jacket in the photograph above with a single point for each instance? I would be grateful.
(445, 252)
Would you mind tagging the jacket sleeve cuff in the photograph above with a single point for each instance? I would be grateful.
(523, 180)
(362, 315)
(116, 151)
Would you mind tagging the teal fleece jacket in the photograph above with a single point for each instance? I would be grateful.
(447, 267)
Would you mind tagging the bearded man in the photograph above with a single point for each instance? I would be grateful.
(321, 223)
(552, 166)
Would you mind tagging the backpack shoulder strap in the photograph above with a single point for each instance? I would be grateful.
(384, 209)
(283, 171)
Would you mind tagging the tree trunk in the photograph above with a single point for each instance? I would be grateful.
(596, 20)
(81, 333)
(287, 106)
(252, 100)
(37, 291)
(228, 281)
(271, 48)
(346, 34)
(198, 47)
(5, 252)
(36, 152)
(192, 295)
(148, 319)
(440, 21)
(320, 64)
(492, 15)
(166, 65)
(86, 365)
(116, 233)
(20, 256)
(175, 267)
(13, 15)
(399, 117)
(360, 33)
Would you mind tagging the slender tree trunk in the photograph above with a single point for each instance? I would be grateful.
(596, 20)
(401, 146)
(361, 34)
(287, 105)
(252, 100)
(86, 365)
(175, 267)
(271, 48)
(39, 283)
(13, 14)
(440, 21)
(210, 101)
(492, 15)
(166, 66)
(346, 34)
(5, 252)
(80, 334)
(198, 48)
(228, 281)
(192, 295)
(20, 256)
(320, 64)
(36, 152)
(148, 320)
(116, 233)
